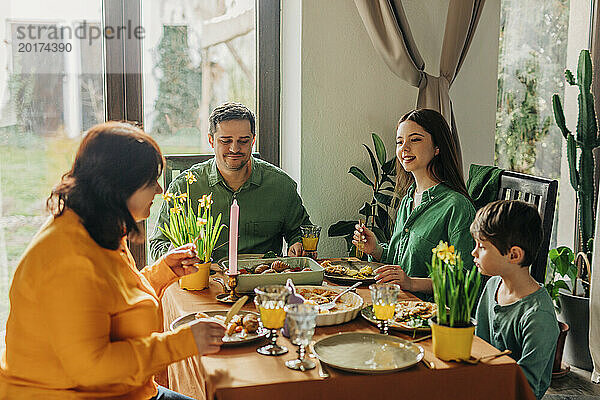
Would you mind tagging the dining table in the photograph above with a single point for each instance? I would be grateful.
(239, 372)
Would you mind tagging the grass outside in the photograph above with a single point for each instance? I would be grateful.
(30, 166)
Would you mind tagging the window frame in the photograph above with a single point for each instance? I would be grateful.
(124, 91)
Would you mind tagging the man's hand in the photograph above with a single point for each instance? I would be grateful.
(182, 259)
(296, 250)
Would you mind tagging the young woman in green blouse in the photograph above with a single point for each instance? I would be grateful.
(434, 204)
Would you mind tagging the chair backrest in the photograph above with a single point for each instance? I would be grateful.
(176, 163)
(540, 192)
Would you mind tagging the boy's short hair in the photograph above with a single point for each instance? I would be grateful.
(508, 223)
(228, 112)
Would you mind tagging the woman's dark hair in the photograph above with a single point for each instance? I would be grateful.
(114, 160)
(443, 167)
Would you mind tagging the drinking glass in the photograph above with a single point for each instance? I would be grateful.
(301, 320)
(270, 301)
(385, 297)
(360, 246)
(310, 239)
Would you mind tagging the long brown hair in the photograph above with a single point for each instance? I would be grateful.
(443, 167)
(114, 160)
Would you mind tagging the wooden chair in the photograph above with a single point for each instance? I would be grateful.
(540, 192)
(180, 162)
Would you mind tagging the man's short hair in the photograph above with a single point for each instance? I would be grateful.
(228, 112)
(508, 223)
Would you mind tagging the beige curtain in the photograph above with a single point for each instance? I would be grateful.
(388, 28)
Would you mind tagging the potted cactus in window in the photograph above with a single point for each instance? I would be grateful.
(580, 147)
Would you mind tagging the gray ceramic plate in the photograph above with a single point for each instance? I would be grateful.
(367, 353)
(352, 265)
(367, 313)
(232, 340)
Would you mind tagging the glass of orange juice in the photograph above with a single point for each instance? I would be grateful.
(310, 239)
(270, 301)
(385, 297)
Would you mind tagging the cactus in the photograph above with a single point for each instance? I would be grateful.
(586, 139)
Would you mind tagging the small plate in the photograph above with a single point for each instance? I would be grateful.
(351, 264)
(232, 340)
(367, 353)
(367, 313)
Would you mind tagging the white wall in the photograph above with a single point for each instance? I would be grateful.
(346, 91)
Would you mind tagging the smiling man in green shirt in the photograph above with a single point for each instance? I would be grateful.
(270, 208)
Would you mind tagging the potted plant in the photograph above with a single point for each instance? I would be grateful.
(575, 309)
(561, 264)
(377, 212)
(185, 226)
(455, 292)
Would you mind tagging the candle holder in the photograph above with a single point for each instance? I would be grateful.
(232, 282)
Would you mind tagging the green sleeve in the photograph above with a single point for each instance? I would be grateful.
(539, 336)
(296, 216)
(159, 244)
(463, 243)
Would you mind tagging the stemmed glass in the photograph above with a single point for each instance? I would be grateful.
(385, 297)
(270, 301)
(301, 323)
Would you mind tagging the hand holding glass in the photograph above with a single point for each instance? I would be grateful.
(270, 302)
(301, 322)
(385, 297)
(310, 239)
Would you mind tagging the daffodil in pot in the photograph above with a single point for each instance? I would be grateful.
(202, 229)
(455, 291)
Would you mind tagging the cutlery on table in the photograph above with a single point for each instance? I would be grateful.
(420, 339)
(331, 304)
(473, 360)
(235, 308)
(428, 363)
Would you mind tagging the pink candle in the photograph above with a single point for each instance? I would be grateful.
(234, 215)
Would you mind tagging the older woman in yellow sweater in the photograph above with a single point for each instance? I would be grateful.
(84, 322)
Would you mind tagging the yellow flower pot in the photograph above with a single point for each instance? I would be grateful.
(197, 280)
(451, 343)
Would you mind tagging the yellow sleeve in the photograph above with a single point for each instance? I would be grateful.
(76, 302)
(160, 276)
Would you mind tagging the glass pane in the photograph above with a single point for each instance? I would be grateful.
(51, 91)
(531, 64)
(197, 55)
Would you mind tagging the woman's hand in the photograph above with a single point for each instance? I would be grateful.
(208, 335)
(393, 274)
(182, 259)
(367, 237)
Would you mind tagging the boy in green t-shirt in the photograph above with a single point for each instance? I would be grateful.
(515, 312)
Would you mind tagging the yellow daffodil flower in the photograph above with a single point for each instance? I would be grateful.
(202, 201)
(176, 209)
(445, 253)
(182, 197)
(190, 178)
(209, 199)
(167, 197)
(202, 221)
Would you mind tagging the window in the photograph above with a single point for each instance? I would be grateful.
(51, 90)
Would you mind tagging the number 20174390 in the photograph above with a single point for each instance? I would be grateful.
(45, 47)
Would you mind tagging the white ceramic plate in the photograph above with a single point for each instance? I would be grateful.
(367, 353)
(231, 340)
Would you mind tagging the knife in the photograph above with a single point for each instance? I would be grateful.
(235, 308)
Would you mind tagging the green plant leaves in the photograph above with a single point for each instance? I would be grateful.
(357, 172)
(373, 164)
(384, 198)
(379, 148)
(389, 167)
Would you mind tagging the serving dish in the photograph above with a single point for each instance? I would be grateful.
(348, 271)
(367, 353)
(410, 316)
(248, 282)
(228, 340)
(350, 302)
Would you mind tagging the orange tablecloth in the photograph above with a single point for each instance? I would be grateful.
(242, 373)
